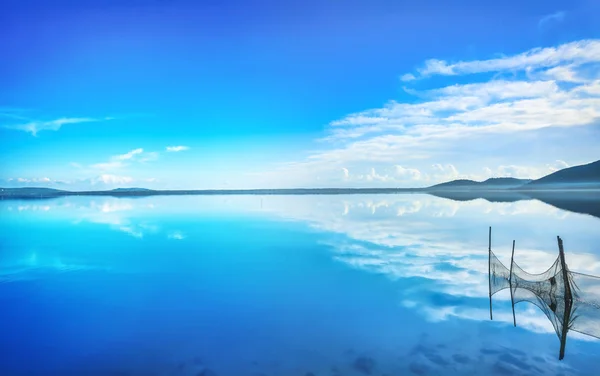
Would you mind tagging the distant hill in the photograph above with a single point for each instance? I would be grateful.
(31, 192)
(492, 183)
(583, 176)
(457, 183)
(35, 193)
(578, 177)
(131, 190)
(506, 182)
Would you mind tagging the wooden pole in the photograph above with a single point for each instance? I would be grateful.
(490, 269)
(512, 300)
(568, 299)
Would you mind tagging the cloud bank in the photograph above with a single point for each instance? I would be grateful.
(523, 115)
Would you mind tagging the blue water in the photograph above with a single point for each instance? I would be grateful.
(280, 285)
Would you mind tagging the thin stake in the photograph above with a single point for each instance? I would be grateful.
(512, 300)
(568, 299)
(490, 269)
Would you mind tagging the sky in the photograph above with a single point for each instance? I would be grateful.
(177, 94)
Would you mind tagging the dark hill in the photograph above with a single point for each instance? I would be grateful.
(506, 182)
(583, 176)
(131, 190)
(491, 184)
(457, 183)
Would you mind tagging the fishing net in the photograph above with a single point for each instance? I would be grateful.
(585, 315)
(570, 300)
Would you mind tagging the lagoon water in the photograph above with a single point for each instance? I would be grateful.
(280, 285)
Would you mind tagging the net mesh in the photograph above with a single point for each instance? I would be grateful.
(570, 300)
(585, 316)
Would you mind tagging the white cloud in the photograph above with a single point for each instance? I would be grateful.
(113, 165)
(482, 128)
(114, 206)
(112, 179)
(14, 113)
(524, 172)
(35, 126)
(407, 77)
(123, 160)
(445, 172)
(558, 165)
(125, 215)
(41, 181)
(373, 175)
(129, 155)
(411, 173)
(135, 232)
(346, 172)
(176, 235)
(148, 157)
(551, 18)
(574, 53)
(177, 148)
(561, 74)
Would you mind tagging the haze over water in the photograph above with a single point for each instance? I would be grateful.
(280, 285)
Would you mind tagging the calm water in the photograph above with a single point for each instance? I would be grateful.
(280, 285)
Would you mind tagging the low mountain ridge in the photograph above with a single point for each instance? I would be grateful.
(31, 191)
(506, 181)
(457, 183)
(491, 183)
(131, 190)
(571, 178)
(582, 176)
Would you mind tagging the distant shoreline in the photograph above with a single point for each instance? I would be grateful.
(28, 193)
(578, 200)
(571, 180)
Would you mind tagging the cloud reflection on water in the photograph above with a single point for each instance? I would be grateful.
(442, 244)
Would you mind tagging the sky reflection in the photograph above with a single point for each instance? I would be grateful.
(432, 250)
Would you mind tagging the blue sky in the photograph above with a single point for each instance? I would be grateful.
(302, 94)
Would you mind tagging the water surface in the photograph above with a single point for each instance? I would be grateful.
(280, 285)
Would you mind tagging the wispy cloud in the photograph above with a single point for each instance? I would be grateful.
(32, 180)
(129, 155)
(176, 235)
(123, 160)
(24, 181)
(148, 156)
(574, 53)
(177, 148)
(14, 113)
(112, 165)
(36, 126)
(408, 77)
(551, 18)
